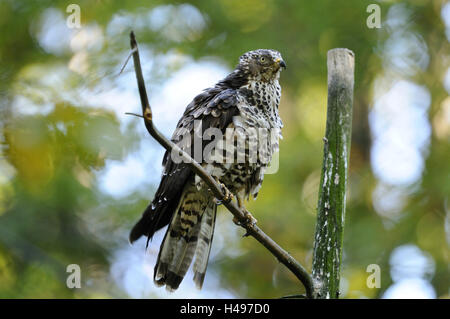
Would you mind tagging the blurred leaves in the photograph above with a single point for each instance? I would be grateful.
(55, 141)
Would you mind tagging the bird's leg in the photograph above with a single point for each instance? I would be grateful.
(250, 219)
(228, 195)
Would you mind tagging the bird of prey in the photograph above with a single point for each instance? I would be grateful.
(246, 99)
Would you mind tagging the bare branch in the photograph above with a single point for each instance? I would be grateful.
(220, 192)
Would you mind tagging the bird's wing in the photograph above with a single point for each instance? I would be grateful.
(215, 107)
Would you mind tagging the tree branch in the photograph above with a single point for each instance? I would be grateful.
(220, 192)
(333, 182)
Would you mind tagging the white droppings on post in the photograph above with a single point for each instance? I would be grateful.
(344, 152)
(336, 179)
(317, 285)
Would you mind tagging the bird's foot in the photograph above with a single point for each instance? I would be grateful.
(249, 219)
(228, 195)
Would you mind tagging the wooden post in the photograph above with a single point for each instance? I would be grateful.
(333, 181)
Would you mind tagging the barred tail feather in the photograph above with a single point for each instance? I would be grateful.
(167, 251)
(204, 244)
(191, 225)
(184, 253)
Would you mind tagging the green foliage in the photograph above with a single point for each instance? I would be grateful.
(53, 213)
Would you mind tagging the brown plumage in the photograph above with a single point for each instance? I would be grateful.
(246, 99)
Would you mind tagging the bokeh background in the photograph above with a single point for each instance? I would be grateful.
(76, 172)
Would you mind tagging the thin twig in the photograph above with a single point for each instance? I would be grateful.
(134, 114)
(126, 61)
(219, 191)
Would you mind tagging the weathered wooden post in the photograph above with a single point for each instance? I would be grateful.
(333, 182)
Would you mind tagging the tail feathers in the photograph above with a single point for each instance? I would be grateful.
(156, 216)
(167, 250)
(173, 266)
(140, 228)
(189, 234)
(204, 244)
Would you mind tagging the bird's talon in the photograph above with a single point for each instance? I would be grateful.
(228, 195)
(246, 234)
(250, 219)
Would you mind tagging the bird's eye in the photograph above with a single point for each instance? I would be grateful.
(262, 59)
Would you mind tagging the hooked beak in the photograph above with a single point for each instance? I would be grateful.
(281, 63)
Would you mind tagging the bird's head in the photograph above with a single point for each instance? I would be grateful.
(262, 64)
